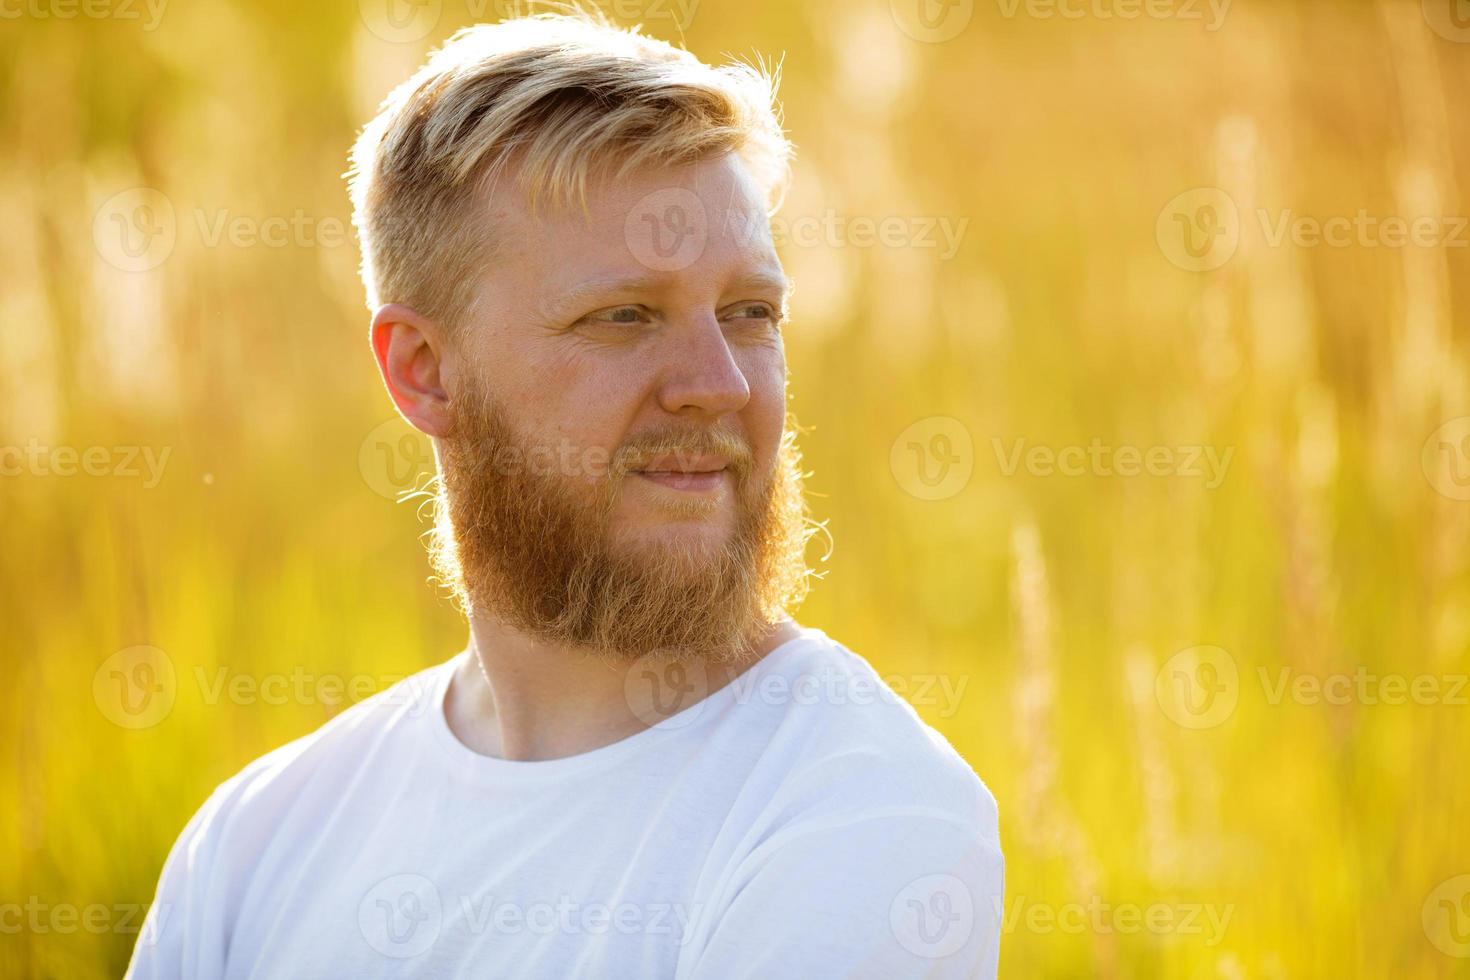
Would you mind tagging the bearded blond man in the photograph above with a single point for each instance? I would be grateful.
(640, 766)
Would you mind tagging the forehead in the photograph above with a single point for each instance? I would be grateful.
(689, 223)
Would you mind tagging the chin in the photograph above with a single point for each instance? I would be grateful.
(696, 539)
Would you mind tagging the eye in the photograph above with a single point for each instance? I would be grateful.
(757, 312)
(617, 316)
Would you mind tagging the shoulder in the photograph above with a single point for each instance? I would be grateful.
(873, 848)
(200, 888)
(854, 745)
(322, 763)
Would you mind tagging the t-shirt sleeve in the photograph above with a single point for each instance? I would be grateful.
(906, 893)
(183, 932)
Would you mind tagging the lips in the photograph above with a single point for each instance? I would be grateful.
(676, 464)
(691, 474)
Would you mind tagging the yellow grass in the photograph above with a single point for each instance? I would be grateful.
(268, 555)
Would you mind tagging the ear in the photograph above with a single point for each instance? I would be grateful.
(411, 351)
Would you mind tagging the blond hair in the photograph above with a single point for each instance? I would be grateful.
(554, 98)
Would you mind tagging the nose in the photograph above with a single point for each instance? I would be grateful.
(702, 375)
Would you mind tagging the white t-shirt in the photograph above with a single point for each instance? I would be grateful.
(800, 822)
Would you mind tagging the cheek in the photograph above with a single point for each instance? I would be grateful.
(765, 415)
(576, 400)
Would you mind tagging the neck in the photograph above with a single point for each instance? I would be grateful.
(518, 698)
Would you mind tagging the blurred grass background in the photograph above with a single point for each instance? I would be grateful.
(270, 546)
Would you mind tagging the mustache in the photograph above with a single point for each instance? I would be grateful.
(477, 429)
(685, 445)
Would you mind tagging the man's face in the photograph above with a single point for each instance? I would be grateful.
(616, 470)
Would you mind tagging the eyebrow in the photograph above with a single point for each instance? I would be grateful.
(584, 292)
(765, 279)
